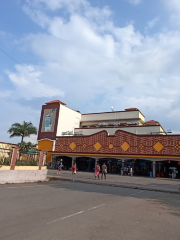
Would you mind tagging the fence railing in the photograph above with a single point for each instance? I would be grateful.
(12, 157)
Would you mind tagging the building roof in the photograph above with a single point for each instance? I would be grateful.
(152, 121)
(131, 109)
(56, 101)
(9, 143)
(127, 109)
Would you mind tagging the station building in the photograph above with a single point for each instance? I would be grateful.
(118, 138)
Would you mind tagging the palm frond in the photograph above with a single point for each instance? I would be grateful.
(24, 130)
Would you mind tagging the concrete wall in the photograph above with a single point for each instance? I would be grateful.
(68, 120)
(22, 176)
(111, 131)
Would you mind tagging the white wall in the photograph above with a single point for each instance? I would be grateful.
(68, 120)
(112, 116)
(20, 176)
(111, 131)
(141, 117)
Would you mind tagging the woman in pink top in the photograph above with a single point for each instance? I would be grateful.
(74, 169)
(97, 171)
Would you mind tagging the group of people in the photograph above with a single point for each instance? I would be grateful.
(127, 171)
(74, 168)
(96, 173)
(98, 170)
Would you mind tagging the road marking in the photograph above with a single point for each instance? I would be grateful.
(28, 186)
(21, 187)
(75, 214)
(96, 207)
(136, 193)
(40, 185)
(72, 215)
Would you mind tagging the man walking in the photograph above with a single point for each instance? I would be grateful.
(104, 171)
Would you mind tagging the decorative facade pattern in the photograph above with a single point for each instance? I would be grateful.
(122, 143)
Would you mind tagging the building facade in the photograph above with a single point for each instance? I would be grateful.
(120, 139)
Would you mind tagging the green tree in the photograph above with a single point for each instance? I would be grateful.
(22, 130)
(24, 147)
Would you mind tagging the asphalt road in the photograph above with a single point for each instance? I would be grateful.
(70, 211)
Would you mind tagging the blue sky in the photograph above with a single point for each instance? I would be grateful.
(90, 55)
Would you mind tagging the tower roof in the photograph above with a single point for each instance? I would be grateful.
(55, 101)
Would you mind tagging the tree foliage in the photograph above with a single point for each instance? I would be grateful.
(24, 147)
(22, 130)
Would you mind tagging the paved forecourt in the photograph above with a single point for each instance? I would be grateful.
(144, 183)
(70, 210)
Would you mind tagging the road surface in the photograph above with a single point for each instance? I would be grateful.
(78, 211)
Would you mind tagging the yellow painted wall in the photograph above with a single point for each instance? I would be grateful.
(46, 145)
(4, 153)
(4, 167)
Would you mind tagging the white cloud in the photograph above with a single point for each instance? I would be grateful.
(53, 5)
(5, 94)
(96, 63)
(134, 2)
(28, 84)
(152, 23)
(37, 16)
(174, 8)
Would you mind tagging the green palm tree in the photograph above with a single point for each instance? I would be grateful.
(22, 130)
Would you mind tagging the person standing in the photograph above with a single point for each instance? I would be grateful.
(97, 171)
(104, 171)
(60, 168)
(131, 171)
(74, 169)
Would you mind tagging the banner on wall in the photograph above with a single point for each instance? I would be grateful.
(49, 118)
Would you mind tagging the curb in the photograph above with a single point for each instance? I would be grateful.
(113, 185)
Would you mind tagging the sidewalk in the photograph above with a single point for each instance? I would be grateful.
(151, 184)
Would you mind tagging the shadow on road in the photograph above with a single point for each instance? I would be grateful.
(168, 201)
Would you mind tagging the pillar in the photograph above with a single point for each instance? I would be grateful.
(110, 166)
(133, 166)
(41, 159)
(122, 168)
(73, 161)
(89, 165)
(123, 163)
(14, 158)
(53, 162)
(96, 161)
(154, 169)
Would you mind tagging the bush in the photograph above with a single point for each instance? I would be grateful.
(4, 161)
(31, 162)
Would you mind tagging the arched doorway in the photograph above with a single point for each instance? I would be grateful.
(113, 165)
(143, 167)
(85, 164)
(66, 161)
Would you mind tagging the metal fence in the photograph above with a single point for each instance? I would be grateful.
(29, 158)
